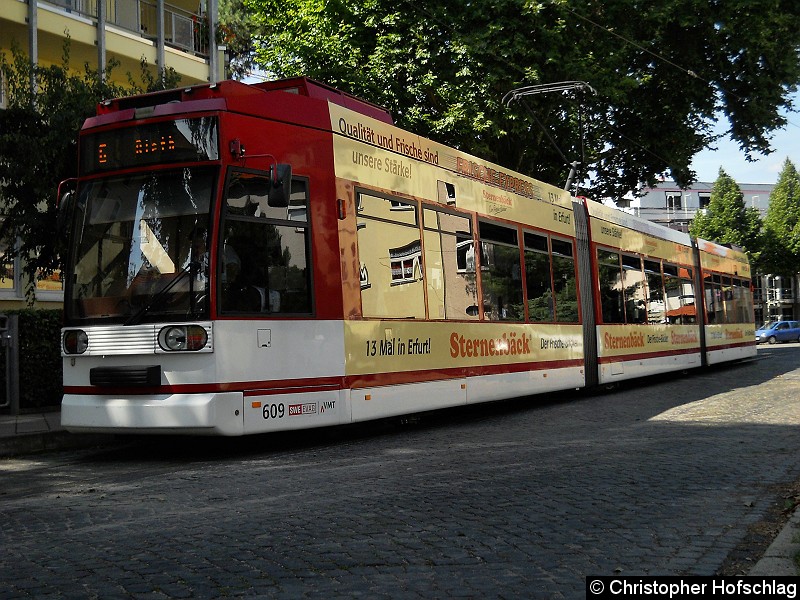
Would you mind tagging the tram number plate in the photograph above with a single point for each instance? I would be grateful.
(274, 411)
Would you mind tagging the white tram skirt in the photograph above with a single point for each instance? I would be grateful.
(198, 414)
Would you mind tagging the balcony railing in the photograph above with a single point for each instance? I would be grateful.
(785, 294)
(184, 30)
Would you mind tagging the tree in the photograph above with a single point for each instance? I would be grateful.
(662, 71)
(235, 32)
(782, 224)
(38, 149)
(728, 220)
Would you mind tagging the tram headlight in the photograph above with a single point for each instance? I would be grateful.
(182, 337)
(75, 341)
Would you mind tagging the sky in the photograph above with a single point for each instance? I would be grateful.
(785, 142)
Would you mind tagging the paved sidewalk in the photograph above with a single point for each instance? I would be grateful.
(782, 557)
(35, 432)
(44, 422)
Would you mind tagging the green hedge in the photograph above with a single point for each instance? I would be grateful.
(40, 369)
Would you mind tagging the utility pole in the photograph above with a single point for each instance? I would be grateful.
(213, 54)
(161, 55)
(33, 42)
(101, 39)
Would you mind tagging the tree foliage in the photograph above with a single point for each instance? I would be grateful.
(236, 30)
(782, 224)
(661, 70)
(728, 220)
(38, 149)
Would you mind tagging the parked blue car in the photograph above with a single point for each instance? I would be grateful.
(778, 331)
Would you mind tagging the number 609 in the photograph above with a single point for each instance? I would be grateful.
(273, 411)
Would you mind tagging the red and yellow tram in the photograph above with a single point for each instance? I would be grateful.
(253, 258)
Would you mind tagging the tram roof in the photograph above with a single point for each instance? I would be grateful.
(231, 95)
(314, 89)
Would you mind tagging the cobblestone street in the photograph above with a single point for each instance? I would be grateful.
(516, 500)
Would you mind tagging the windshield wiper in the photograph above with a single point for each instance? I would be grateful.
(191, 269)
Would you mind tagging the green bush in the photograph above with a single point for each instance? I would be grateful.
(40, 369)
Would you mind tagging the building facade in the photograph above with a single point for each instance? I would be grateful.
(775, 296)
(166, 35)
(673, 207)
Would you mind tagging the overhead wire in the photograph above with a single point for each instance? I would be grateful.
(610, 31)
(448, 27)
(689, 72)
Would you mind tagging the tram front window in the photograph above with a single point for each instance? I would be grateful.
(139, 247)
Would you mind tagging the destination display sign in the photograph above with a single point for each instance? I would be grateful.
(180, 140)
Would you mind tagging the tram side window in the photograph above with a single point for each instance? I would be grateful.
(390, 253)
(611, 298)
(263, 252)
(541, 304)
(738, 301)
(678, 295)
(708, 295)
(449, 266)
(729, 300)
(748, 316)
(687, 285)
(501, 273)
(656, 308)
(635, 304)
(744, 300)
(564, 282)
(715, 310)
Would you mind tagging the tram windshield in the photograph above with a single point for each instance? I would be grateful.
(140, 247)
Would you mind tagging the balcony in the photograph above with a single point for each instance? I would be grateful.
(784, 294)
(184, 30)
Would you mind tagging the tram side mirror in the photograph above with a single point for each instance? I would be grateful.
(65, 201)
(281, 188)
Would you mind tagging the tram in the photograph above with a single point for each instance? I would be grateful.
(275, 256)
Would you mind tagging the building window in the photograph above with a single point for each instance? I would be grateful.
(50, 283)
(405, 263)
(705, 200)
(13, 283)
(673, 201)
(682, 226)
(465, 252)
(8, 280)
